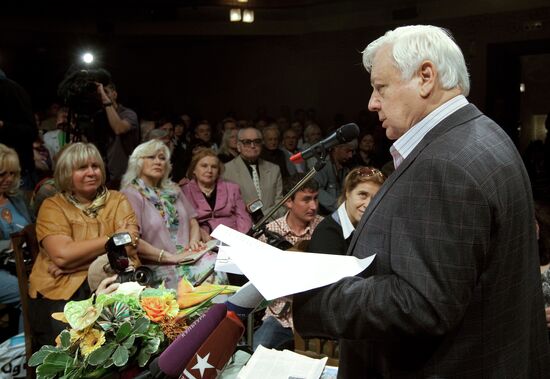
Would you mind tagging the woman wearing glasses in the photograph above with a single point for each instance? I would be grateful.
(167, 221)
(333, 235)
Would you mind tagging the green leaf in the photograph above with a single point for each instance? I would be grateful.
(129, 341)
(100, 355)
(38, 357)
(108, 363)
(54, 363)
(65, 339)
(120, 357)
(123, 331)
(141, 326)
(143, 357)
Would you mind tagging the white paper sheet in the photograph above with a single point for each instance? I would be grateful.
(276, 273)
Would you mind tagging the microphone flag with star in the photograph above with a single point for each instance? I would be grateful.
(216, 350)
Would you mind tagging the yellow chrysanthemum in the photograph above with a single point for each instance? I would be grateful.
(91, 341)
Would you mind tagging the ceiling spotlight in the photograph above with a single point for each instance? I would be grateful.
(234, 15)
(243, 1)
(248, 15)
(87, 58)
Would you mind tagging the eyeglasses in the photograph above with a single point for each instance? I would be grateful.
(250, 142)
(367, 172)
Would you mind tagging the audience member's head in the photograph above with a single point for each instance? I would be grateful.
(229, 123)
(229, 141)
(10, 170)
(271, 137)
(249, 144)
(290, 139)
(205, 167)
(150, 159)
(341, 154)
(360, 186)
(203, 131)
(366, 143)
(312, 133)
(74, 158)
(304, 203)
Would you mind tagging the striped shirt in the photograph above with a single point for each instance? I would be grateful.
(401, 148)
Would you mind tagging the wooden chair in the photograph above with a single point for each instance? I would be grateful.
(317, 348)
(25, 247)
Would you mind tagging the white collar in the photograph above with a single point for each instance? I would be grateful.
(345, 223)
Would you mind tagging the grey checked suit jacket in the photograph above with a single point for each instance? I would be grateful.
(454, 291)
(271, 182)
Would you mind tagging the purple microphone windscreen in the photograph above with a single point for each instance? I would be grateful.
(173, 360)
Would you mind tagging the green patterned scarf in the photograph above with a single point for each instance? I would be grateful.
(164, 200)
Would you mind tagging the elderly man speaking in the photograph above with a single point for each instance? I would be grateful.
(454, 291)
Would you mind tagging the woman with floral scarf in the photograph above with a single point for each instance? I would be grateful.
(72, 228)
(168, 225)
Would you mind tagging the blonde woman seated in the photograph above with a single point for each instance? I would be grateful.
(72, 228)
(168, 224)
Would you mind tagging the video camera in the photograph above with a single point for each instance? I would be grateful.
(78, 90)
(120, 263)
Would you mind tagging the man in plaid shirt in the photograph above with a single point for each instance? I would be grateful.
(295, 226)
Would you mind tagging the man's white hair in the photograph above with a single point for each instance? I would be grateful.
(411, 45)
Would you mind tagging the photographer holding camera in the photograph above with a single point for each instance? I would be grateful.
(123, 133)
(72, 229)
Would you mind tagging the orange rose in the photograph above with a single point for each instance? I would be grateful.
(155, 308)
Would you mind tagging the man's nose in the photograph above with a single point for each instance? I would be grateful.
(374, 103)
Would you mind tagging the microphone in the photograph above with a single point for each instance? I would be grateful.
(179, 353)
(244, 301)
(215, 352)
(343, 134)
(255, 210)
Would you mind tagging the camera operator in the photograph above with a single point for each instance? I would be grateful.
(123, 133)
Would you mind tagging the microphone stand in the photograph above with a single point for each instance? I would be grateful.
(259, 228)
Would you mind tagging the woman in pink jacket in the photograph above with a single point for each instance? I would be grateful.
(215, 200)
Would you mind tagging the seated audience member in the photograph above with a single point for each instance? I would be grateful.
(271, 151)
(72, 229)
(290, 147)
(312, 135)
(366, 152)
(257, 178)
(297, 225)
(542, 214)
(166, 124)
(333, 235)
(228, 148)
(14, 216)
(167, 221)
(331, 177)
(215, 200)
(203, 132)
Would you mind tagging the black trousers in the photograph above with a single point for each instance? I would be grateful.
(44, 328)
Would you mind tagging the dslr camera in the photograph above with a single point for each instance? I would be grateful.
(120, 263)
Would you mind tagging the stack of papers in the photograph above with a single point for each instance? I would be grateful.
(275, 364)
(277, 273)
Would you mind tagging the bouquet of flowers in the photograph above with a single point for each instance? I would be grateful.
(109, 331)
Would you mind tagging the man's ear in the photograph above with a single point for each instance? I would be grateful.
(289, 203)
(427, 74)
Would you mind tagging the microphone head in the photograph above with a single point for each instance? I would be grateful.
(348, 132)
(296, 158)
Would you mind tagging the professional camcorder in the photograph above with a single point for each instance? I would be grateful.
(120, 263)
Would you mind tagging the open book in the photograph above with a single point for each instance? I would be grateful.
(192, 258)
(275, 364)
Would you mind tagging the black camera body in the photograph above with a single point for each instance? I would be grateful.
(120, 263)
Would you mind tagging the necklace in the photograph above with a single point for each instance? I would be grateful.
(207, 191)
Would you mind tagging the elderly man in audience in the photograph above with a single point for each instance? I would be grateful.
(331, 177)
(295, 226)
(290, 147)
(72, 229)
(257, 178)
(271, 151)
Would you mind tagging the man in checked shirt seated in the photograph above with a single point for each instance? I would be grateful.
(295, 226)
